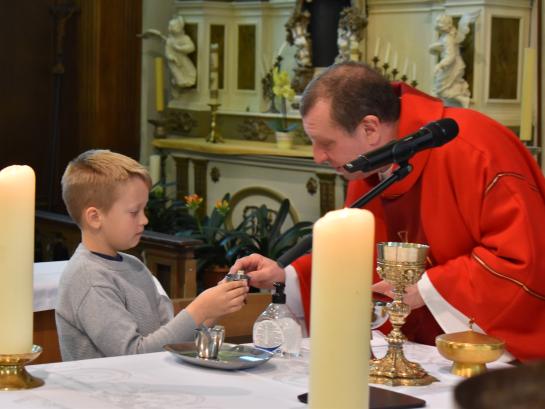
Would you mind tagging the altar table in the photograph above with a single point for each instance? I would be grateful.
(160, 380)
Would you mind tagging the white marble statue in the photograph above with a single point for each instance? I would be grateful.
(448, 79)
(350, 34)
(177, 46)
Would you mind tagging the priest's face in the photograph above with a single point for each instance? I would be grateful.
(332, 144)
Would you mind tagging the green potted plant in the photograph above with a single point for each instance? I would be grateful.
(261, 232)
(166, 215)
(283, 90)
(212, 264)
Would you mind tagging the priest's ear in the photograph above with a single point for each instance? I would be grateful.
(370, 124)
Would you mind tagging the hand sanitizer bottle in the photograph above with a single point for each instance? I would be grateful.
(277, 329)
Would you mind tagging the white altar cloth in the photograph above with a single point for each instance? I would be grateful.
(160, 380)
(46, 283)
(47, 275)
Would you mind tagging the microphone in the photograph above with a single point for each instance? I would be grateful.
(434, 134)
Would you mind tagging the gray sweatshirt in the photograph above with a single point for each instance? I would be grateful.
(108, 308)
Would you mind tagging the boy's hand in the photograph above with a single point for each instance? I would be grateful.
(225, 298)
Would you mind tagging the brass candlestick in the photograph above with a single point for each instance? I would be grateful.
(400, 264)
(13, 375)
(159, 130)
(375, 62)
(214, 136)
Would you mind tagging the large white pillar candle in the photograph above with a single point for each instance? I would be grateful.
(342, 266)
(17, 198)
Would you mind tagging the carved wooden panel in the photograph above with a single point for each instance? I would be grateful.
(246, 56)
(504, 52)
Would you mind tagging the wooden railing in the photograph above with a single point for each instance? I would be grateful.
(170, 258)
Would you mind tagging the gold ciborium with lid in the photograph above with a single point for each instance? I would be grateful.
(400, 264)
(469, 351)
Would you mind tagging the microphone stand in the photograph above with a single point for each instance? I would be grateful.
(306, 242)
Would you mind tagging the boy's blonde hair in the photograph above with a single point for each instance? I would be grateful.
(91, 179)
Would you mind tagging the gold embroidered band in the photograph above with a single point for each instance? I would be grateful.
(520, 284)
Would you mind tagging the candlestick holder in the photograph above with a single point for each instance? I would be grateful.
(394, 73)
(400, 264)
(13, 375)
(404, 78)
(159, 130)
(414, 83)
(385, 67)
(375, 62)
(214, 136)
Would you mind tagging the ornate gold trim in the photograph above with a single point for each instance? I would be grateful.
(256, 191)
(514, 281)
(500, 175)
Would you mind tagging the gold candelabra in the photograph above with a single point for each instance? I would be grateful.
(400, 264)
(214, 136)
(13, 375)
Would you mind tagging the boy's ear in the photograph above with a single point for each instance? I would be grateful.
(92, 217)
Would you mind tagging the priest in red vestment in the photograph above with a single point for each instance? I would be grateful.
(478, 202)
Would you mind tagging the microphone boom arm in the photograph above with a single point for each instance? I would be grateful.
(306, 242)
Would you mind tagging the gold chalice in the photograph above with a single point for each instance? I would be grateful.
(400, 264)
(13, 375)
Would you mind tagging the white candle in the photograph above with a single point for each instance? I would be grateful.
(414, 71)
(155, 168)
(281, 50)
(394, 63)
(405, 67)
(17, 202)
(527, 95)
(159, 85)
(342, 267)
(377, 47)
(387, 54)
(214, 73)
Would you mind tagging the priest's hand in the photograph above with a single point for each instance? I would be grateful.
(263, 271)
(412, 296)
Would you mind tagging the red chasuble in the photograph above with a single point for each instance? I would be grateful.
(479, 203)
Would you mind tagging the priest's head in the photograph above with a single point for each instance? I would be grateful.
(348, 110)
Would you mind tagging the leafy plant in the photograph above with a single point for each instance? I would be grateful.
(166, 215)
(209, 229)
(260, 233)
(282, 89)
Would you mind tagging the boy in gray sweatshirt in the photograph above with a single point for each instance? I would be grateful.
(108, 303)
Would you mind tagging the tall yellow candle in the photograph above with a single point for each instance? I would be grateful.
(342, 266)
(17, 198)
(159, 85)
(527, 97)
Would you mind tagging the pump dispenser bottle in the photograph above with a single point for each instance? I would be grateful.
(277, 329)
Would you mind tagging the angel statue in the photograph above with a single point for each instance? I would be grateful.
(448, 78)
(297, 35)
(177, 46)
(350, 34)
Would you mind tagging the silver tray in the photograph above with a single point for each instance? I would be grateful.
(231, 356)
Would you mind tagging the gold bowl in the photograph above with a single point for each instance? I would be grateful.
(470, 351)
